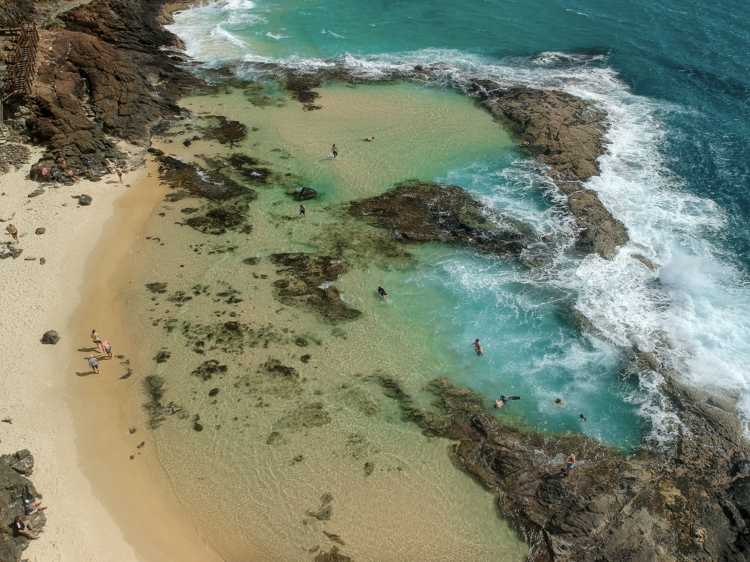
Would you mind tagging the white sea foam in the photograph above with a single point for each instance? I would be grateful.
(694, 299)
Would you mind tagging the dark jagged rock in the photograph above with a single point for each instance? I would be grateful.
(40, 230)
(226, 132)
(162, 356)
(96, 80)
(197, 182)
(566, 133)
(274, 367)
(305, 194)
(419, 211)
(208, 369)
(312, 276)
(649, 506)
(85, 200)
(14, 489)
(51, 337)
(157, 287)
(213, 392)
(15, 252)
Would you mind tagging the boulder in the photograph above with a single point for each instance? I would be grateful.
(85, 200)
(16, 488)
(41, 230)
(305, 193)
(51, 337)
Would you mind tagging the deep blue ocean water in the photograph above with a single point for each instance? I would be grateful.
(673, 77)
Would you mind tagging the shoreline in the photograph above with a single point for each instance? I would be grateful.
(138, 490)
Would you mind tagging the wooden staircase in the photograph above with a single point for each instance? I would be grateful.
(20, 66)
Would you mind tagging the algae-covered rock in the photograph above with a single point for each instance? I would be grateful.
(208, 369)
(309, 278)
(418, 211)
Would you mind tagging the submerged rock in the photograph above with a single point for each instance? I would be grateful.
(332, 555)
(419, 211)
(208, 369)
(226, 131)
(305, 194)
(311, 284)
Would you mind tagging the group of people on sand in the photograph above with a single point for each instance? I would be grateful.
(500, 402)
(67, 170)
(103, 346)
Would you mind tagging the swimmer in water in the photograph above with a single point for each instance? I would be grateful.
(559, 403)
(382, 293)
(478, 348)
(503, 399)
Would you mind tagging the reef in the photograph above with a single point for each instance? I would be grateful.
(418, 211)
(567, 134)
(647, 506)
(307, 278)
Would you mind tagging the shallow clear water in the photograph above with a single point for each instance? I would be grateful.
(674, 83)
(673, 78)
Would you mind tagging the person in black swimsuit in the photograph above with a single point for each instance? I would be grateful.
(382, 292)
(503, 399)
(334, 151)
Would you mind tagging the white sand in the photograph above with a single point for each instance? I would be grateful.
(128, 513)
(36, 298)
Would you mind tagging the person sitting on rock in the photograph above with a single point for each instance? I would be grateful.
(503, 399)
(87, 163)
(23, 528)
(74, 178)
(32, 507)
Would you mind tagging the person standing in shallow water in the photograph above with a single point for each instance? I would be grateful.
(302, 210)
(334, 151)
(382, 293)
(478, 348)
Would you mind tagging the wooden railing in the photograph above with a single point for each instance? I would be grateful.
(21, 65)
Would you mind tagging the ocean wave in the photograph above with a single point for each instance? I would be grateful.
(693, 299)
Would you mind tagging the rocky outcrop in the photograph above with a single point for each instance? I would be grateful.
(567, 134)
(50, 337)
(14, 489)
(419, 211)
(307, 278)
(104, 77)
(687, 504)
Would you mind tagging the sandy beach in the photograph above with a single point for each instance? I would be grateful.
(71, 423)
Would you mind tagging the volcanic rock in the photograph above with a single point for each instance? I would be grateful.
(51, 337)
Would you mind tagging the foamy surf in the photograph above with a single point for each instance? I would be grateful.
(694, 298)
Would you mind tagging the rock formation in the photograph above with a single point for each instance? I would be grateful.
(566, 133)
(649, 506)
(418, 211)
(14, 489)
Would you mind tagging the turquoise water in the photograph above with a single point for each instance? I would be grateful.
(673, 77)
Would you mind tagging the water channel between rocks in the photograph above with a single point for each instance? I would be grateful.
(300, 438)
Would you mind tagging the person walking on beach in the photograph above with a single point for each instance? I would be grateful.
(13, 231)
(334, 151)
(478, 348)
(119, 172)
(302, 210)
(503, 399)
(94, 364)
(570, 463)
(382, 293)
(107, 348)
(97, 340)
